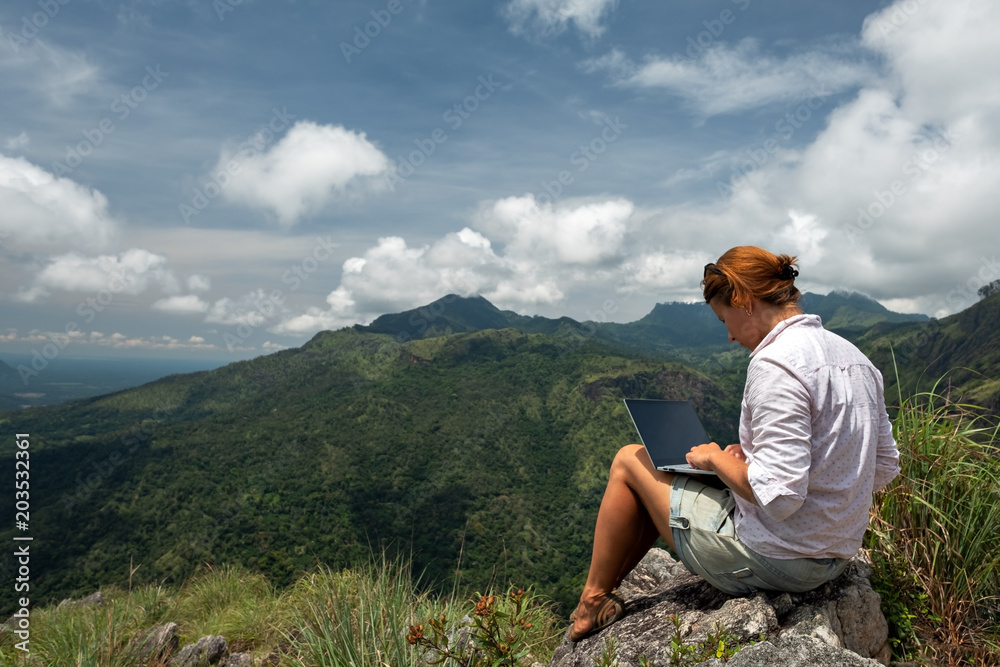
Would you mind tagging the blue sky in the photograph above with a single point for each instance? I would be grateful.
(224, 179)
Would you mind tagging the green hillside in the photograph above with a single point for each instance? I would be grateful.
(492, 445)
(962, 349)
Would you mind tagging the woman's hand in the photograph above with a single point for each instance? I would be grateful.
(701, 456)
(729, 464)
(736, 451)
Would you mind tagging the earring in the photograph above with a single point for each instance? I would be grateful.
(747, 311)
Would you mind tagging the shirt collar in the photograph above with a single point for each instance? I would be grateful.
(805, 319)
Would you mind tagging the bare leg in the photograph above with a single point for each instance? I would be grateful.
(634, 511)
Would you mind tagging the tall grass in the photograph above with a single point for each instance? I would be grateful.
(241, 606)
(358, 617)
(362, 618)
(935, 533)
(86, 636)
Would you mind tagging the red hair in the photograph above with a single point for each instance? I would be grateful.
(747, 272)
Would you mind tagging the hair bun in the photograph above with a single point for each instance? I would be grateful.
(788, 272)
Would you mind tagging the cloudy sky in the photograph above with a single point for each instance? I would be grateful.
(226, 178)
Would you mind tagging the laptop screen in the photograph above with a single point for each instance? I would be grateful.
(668, 429)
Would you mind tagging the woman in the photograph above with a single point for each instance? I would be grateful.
(815, 443)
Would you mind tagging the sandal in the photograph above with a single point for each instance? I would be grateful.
(611, 609)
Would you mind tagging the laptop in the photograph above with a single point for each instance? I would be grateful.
(668, 430)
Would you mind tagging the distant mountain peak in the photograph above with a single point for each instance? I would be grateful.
(451, 313)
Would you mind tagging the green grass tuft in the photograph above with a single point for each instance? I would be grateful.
(935, 535)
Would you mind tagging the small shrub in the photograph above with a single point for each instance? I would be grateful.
(502, 633)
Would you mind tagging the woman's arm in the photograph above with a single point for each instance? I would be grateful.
(729, 464)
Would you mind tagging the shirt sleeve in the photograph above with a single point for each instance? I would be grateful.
(886, 453)
(781, 437)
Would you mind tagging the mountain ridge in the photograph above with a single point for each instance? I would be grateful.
(666, 327)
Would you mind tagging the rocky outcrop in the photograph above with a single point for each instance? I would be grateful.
(671, 613)
(157, 642)
(92, 600)
(239, 660)
(206, 651)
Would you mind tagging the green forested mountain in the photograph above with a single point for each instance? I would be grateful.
(961, 350)
(492, 446)
(851, 314)
(669, 328)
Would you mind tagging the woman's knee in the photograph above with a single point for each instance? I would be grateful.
(629, 460)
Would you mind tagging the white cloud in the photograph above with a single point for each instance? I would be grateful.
(944, 58)
(121, 341)
(41, 212)
(131, 272)
(727, 79)
(30, 294)
(896, 196)
(181, 305)
(803, 237)
(199, 283)
(661, 269)
(585, 234)
(543, 248)
(392, 276)
(310, 167)
(47, 70)
(552, 17)
(252, 309)
(17, 143)
(116, 340)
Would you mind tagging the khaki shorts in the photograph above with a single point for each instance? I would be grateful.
(704, 532)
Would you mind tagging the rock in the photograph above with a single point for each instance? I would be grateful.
(274, 657)
(206, 651)
(670, 612)
(92, 600)
(798, 651)
(239, 660)
(157, 642)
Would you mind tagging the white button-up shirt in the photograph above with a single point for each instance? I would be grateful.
(818, 442)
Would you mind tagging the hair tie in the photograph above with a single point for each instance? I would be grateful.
(788, 272)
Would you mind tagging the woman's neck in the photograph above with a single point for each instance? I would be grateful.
(770, 316)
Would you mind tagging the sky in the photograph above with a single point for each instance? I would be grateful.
(223, 179)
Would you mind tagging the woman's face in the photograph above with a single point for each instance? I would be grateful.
(742, 328)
